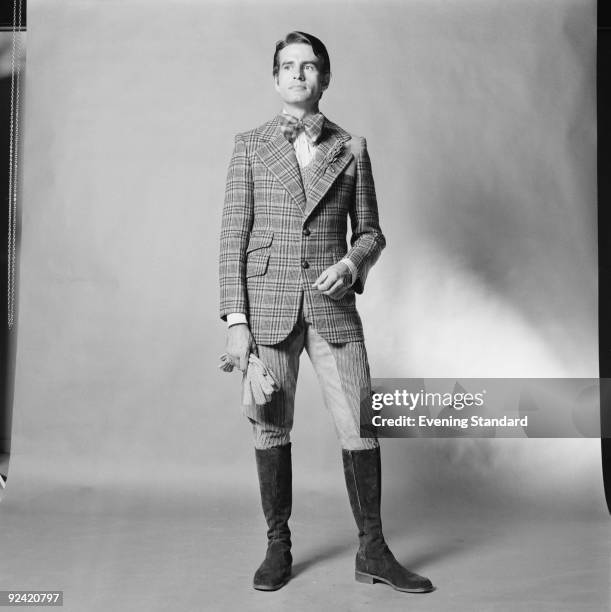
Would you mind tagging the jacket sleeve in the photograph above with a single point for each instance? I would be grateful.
(235, 230)
(367, 240)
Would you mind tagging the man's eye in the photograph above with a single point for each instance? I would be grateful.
(310, 66)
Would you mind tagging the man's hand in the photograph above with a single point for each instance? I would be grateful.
(334, 281)
(240, 344)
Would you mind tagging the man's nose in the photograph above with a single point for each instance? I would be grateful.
(299, 74)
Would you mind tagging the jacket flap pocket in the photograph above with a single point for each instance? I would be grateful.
(260, 240)
(257, 265)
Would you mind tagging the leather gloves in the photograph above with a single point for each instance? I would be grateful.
(258, 382)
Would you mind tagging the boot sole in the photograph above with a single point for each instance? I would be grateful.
(275, 587)
(371, 578)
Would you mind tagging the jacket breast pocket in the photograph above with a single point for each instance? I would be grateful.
(257, 253)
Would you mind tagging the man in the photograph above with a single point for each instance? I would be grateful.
(288, 282)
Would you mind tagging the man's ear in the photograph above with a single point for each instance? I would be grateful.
(326, 78)
(276, 83)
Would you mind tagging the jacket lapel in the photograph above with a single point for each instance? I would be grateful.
(279, 157)
(332, 156)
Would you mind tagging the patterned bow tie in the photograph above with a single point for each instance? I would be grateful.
(312, 126)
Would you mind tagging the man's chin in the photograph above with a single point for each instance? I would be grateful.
(298, 96)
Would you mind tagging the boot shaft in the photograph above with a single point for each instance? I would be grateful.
(274, 468)
(363, 474)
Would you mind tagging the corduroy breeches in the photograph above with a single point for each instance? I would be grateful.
(343, 374)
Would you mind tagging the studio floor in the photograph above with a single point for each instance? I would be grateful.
(162, 550)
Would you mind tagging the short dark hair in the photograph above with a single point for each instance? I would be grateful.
(320, 51)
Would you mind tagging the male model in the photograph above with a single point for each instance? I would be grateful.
(288, 282)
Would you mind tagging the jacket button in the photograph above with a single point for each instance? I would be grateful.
(305, 264)
(306, 232)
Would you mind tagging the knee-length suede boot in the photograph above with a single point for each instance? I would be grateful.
(374, 560)
(275, 482)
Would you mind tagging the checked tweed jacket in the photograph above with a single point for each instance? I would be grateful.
(278, 236)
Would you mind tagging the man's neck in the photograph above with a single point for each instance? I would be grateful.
(298, 111)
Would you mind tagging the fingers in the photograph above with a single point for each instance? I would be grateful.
(239, 345)
(243, 361)
(330, 277)
(333, 281)
(337, 290)
(252, 349)
(226, 363)
(322, 282)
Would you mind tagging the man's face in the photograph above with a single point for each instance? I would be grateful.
(300, 81)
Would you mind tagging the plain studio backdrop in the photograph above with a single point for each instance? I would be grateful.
(480, 123)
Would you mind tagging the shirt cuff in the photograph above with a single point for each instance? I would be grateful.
(353, 269)
(234, 318)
